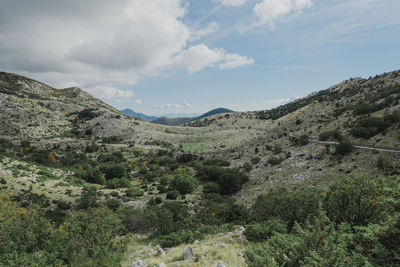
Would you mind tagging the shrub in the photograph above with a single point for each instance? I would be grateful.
(186, 158)
(86, 114)
(211, 187)
(301, 141)
(134, 192)
(384, 161)
(330, 135)
(368, 127)
(91, 175)
(112, 170)
(356, 200)
(118, 183)
(89, 198)
(255, 160)
(184, 184)
(344, 147)
(258, 232)
(275, 161)
(176, 238)
(113, 204)
(134, 220)
(318, 243)
(218, 209)
(231, 182)
(172, 194)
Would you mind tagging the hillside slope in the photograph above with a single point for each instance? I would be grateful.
(365, 111)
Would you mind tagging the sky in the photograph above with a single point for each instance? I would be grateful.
(187, 57)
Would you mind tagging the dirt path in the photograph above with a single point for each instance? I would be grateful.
(357, 146)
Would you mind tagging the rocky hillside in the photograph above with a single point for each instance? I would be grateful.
(277, 147)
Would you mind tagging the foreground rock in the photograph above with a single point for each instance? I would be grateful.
(138, 263)
(188, 253)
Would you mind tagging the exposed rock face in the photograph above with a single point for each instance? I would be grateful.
(188, 253)
(221, 264)
(138, 263)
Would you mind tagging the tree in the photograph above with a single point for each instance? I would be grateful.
(357, 200)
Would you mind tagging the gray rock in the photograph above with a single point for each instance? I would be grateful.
(221, 264)
(138, 263)
(162, 264)
(188, 253)
(160, 251)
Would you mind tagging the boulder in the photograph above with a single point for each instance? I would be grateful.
(138, 263)
(188, 253)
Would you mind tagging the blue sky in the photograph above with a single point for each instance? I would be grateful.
(188, 57)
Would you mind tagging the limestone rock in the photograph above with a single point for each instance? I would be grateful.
(138, 263)
(188, 253)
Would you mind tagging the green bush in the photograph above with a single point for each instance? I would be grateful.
(384, 161)
(344, 147)
(176, 238)
(118, 183)
(301, 140)
(217, 210)
(184, 184)
(112, 170)
(275, 161)
(89, 198)
(259, 232)
(330, 135)
(85, 238)
(356, 200)
(231, 182)
(318, 243)
(368, 127)
(91, 175)
(211, 187)
(172, 194)
(286, 205)
(86, 114)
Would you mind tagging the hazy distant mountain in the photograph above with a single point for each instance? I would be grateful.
(181, 120)
(132, 113)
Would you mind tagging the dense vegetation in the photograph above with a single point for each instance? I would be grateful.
(356, 222)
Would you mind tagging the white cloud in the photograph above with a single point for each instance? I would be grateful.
(270, 11)
(200, 56)
(138, 101)
(233, 2)
(212, 27)
(235, 60)
(108, 92)
(186, 104)
(167, 106)
(96, 42)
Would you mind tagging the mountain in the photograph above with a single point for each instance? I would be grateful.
(215, 112)
(134, 114)
(182, 120)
